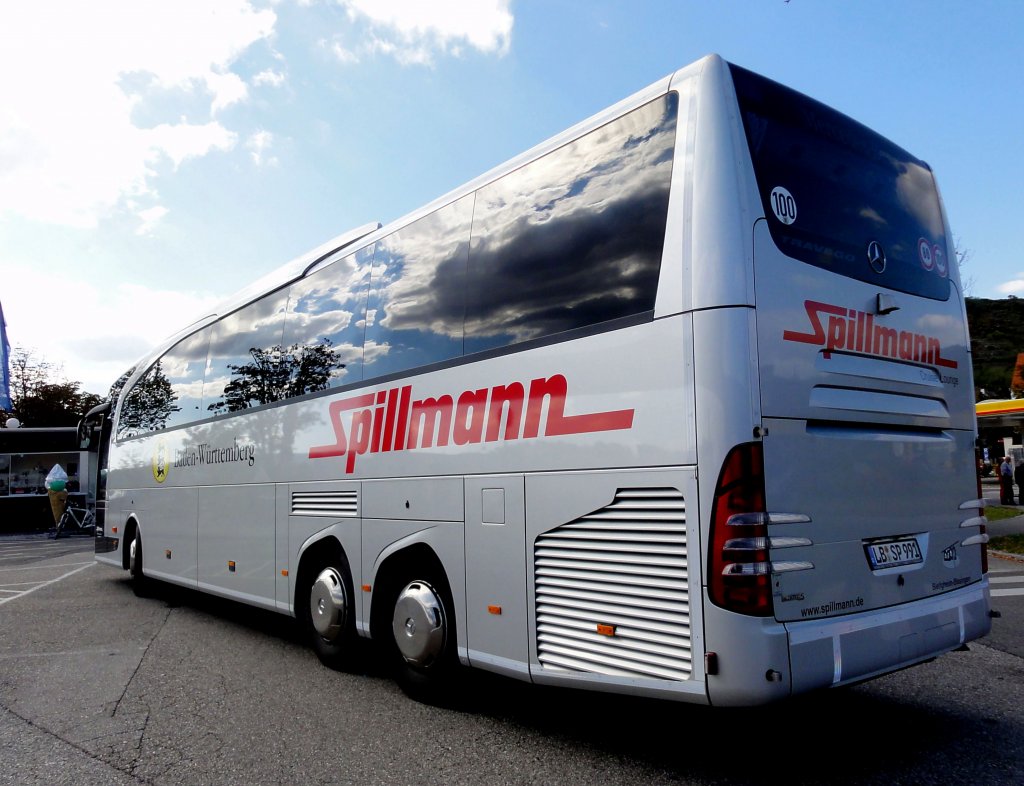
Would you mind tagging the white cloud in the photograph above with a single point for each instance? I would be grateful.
(227, 89)
(1013, 287)
(259, 145)
(268, 77)
(413, 32)
(344, 55)
(110, 328)
(69, 151)
(150, 217)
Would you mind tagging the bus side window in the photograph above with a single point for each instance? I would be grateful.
(184, 366)
(147, 406)
(247, 366)
(574, 238)
(414, 312)
(324, 325)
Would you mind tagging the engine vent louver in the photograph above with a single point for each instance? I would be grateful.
(325, 503)
(611, 589)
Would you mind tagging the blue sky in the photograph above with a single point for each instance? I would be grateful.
(156, 156)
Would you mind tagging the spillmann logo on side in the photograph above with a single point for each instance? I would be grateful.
(392, 420)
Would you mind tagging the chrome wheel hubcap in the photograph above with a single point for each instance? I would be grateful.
(328, 605)
(419, 624)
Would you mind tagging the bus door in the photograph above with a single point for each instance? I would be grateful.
(94, 436)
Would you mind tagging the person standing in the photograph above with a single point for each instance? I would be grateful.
(1018, 475)
(1006, 482)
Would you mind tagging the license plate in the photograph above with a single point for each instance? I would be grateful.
(893, 553)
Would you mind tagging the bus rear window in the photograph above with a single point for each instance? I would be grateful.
(839, 196)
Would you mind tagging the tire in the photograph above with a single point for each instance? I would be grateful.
(138, 578)
(61, 523)
(325, 604)
(422, 638)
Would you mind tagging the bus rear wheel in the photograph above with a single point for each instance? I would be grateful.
(329, 618)
(423, 634)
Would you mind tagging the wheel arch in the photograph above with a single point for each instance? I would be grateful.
(393, 570)
(317, 553)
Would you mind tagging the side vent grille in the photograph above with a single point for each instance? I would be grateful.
(325, 503)
(612, 589)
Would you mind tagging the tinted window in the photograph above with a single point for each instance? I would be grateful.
(148, 405)
(247, 366)
(184, 366)
(415, 307)
(575, 238)
(323, 337)
(830, 186)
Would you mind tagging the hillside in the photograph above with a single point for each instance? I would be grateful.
(997, 336)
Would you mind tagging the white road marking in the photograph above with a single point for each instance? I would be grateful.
(42, 567)
(1000, 593)
(46, 583)
(1004, 579)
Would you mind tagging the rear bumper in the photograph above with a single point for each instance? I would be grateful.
(826, 653)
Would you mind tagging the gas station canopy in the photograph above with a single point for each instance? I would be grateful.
(1001, 412)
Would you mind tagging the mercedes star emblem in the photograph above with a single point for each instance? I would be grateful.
(876, 256)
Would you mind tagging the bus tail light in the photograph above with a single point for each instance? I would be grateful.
(739, 571)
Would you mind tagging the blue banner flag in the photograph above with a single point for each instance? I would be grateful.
(5, 365)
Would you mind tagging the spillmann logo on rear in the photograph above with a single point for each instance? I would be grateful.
(850, 330)
(392, 420)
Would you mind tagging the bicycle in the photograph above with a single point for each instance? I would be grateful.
(82, 520)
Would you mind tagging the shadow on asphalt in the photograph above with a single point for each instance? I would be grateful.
(847, 736)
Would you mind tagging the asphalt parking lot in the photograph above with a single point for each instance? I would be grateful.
(98, 686)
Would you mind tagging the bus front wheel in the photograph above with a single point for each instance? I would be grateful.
(329, 618)
(138, 578)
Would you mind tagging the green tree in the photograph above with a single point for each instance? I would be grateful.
(39, 399)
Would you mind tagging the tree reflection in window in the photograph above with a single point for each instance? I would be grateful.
(245, 359)
(185, 367)
(275, 374)
(148, 405)
(324, 323)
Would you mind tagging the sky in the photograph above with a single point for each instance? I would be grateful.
(158, 155)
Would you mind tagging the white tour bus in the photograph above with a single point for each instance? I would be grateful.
(678, 403)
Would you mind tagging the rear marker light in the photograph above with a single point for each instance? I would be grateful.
(975, 540)
(606, 630)
(789, 566)
(711, 663)
(978, 521)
